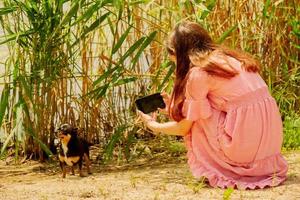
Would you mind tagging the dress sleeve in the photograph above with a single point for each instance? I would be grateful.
(196, 105)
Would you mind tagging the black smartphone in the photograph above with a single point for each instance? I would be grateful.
(150, 103)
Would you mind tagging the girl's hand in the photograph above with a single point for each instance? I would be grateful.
(144, 117)
(148, 120)
(167, 100)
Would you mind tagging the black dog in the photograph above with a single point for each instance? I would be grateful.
(73, 149)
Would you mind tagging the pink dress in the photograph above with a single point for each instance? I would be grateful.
(236, 136)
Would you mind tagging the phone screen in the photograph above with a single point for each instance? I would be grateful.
(150, 103)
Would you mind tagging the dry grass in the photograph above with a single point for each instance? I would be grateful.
(144, 180)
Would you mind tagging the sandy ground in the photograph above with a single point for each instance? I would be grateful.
(149, 180)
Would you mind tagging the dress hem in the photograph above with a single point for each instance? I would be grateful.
(219, 180)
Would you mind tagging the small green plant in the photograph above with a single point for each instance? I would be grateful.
(172, 145)
(227, 193)
(133, 181)
(103, 192)
(196, 186)
(291, 132)
(176, 147)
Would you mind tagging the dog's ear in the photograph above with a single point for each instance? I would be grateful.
(75, 130)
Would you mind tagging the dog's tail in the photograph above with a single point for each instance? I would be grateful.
(86, 146)
(87, 143)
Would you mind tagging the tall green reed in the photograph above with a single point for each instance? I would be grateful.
(43, 41)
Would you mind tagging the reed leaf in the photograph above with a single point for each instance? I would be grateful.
(133, 48)
(91, 28)
(136, 2)
(114, 140)
(145, 44)
(36, 138)
(124, 81)
(121, 40)
(266, 7)
(7, 10)
(16, 36)
(91, 10)
(226, 34)
(6, 142)
(105, 75)
(95, 24)
(168, 75)
(4, 102)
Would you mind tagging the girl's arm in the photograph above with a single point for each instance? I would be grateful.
(170, 128)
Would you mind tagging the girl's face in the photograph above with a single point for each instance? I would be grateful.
(172, 58)
(172, 55)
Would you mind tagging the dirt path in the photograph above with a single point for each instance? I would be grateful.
(165, 181)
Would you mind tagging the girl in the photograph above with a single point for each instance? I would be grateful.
(220, 104)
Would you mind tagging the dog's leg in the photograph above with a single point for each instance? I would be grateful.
(72, 170)
(80, 167)
(88, 163)
(63, 168)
